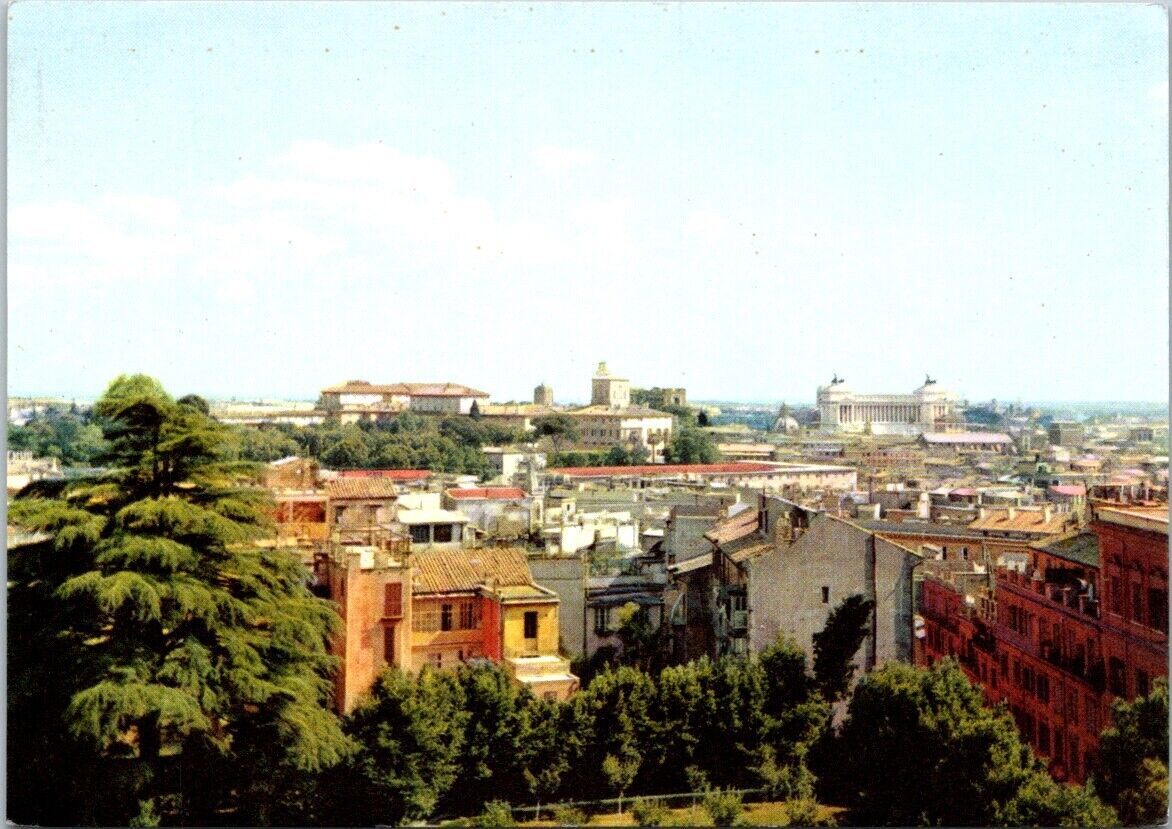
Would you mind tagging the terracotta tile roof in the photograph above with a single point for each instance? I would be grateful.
(362, 488)
(730, 529)
(408, 389)
(363, 387)
(1023, 521)
(457, 571)
(441, 390)
(664, 469)
(1068, 489)
(749, 551)
(502, 493)
(386, 474)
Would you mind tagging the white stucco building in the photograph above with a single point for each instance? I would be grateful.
(927, 409)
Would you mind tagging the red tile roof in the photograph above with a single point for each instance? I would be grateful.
(450, 571)
(503, 493)
(406, 389)
(664, 469)
(362, 488)
(1068, 489)
(388, 474)
(739, 526)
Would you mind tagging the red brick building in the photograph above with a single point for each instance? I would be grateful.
(1082, 622)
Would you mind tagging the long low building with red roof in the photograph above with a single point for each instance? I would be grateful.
(369, 398)
(745, 474)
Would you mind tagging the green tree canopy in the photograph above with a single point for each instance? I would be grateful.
(838, 642)
(559, 428)
(1133, 755)
(174, 645)
(920, 747)
(691, 445)
(411, 733)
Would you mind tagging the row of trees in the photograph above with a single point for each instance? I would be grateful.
(449, 743)
(916, 747)
(406, 441)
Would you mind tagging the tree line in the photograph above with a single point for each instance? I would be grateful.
(165, 668)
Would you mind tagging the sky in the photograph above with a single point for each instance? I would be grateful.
(263, 199)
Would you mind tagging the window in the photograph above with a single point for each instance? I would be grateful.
(393, 600)
(551, 696)
(1137, 609)
(602, 620)
(443, 533)
(1043, 737)
(468, 616)
(1141, 683)
(436, 660)
(1114, 597)
(425, 621)
(1043, 688)
(1115, 681)
(825, 594)
(1158, 609)
(420, 533)
(964, 553)
(530, 624)
(446, 617)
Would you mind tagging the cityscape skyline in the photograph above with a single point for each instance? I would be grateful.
(738, 201)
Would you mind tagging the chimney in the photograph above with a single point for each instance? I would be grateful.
(1012, 513)
(1047, 513)
(982, 513)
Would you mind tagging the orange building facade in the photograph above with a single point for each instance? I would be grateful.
(440, 608)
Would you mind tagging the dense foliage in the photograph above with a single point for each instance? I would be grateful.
(920, 747)
(691, 445)
(838, 642)
(406, 441)
(1133, 755)
(72, 436)
(161, 664)
(455, 742)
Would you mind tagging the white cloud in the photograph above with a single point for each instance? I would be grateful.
(560, 159)
(306, 208)
(116, 237)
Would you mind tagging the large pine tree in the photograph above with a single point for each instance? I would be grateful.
(162, 664)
